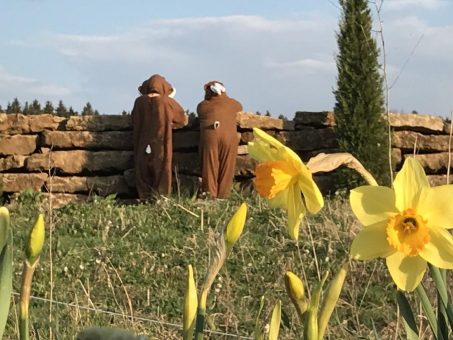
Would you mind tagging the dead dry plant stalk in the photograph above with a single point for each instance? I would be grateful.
(50, 224)
(449, 147)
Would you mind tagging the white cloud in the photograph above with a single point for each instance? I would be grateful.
(12, 85)
(413, 4)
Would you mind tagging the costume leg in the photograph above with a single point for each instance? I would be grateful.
(209, 168)
(227, 167)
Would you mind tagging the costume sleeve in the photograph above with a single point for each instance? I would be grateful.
(179, 118)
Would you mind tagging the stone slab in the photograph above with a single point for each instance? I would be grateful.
(24, 124)
(12, 162)
(99, 123)
(408, 140)
(316, 119)
(15, 182)
(249, 120)
(434, 163)
(78, 161)
(106, 140)
(415, 122)
(17, 144)
(99, 185)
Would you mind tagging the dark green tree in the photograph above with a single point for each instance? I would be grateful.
(35, 108)
(87, 110)
(1, 109)
(48, 108)
(361, 129)
(96, 113)
(61, 110)
(71, 112)
(26, 109)
(14, 106)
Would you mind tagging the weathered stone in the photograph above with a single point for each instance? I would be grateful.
(308, 139)
(19, 123)
(17, 144)
(306, 155)
(129, 177)
(415, 122)
(408, 140)
(433, 163)
(12, 182)
(317, 119)
(185, 139)
(12, 162)
(78, 161)
(107, 140)
(436, 180)
(248, 120)
(187, 163)
(243, 150)
(245, 166)
(102, 186)
(99, 123)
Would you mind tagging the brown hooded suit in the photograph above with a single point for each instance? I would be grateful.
(218, 142)
(153, 119)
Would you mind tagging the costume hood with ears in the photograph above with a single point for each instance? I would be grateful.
(156, 84)
(213, 88)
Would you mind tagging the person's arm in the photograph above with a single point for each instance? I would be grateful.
(179, 117)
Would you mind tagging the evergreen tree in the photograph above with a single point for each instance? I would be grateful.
(96, 113)
(1, 109)
(61, 110)
(48, 108)
(26, 109)
(71, 112)
(87, 110)
(14, 106)
(35, 108)
(359, 106)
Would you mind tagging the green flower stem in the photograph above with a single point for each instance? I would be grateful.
(27, 277)
(408, 316)
(428, 309)
(199, 326)
(439, 277)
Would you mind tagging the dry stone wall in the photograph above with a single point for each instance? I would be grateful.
(79, 156)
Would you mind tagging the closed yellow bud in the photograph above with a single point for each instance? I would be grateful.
(235, 226)
(4, 226)
(331, 299)
(294, 286)
(190, 305)
(35, 240)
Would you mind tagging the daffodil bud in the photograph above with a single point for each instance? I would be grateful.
(295, 290)
(274, 327)
(4, 226)
(235, 226)
(190, 305)
(331, 299)
(35, 241)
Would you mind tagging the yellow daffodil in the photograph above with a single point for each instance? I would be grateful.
(282, 178)
(408, 225)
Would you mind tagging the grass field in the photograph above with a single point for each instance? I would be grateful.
(116, 265)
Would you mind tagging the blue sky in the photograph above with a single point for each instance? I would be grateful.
(271, 55)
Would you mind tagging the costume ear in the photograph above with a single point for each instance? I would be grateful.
(217, 88)
(173, 93)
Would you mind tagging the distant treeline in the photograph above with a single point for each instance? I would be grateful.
(35, 108)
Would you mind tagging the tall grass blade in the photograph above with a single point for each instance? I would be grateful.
(6, 280)
(408, 316)
(274, 328)
(429, 312)
(439, 278)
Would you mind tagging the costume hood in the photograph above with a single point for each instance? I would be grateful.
(156, 84)
(214, 88)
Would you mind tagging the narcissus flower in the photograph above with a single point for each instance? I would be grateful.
(408, 225)
(284, 180)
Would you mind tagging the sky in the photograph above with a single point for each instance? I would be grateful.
(272, 55)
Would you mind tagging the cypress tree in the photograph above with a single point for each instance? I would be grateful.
(87, 110)
(14, 106)
(35, 108)
(61, 110)
(361, 129)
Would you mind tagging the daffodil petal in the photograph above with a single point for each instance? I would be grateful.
(436, 206)
(312, 196)
(262, 153)
(372, 204)
(408, 184)
(280, 200)
(296, 211)
(266, 138)
(406, 271)
(439, 251)
(371, 243)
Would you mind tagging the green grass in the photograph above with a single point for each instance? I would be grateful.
(132, 259)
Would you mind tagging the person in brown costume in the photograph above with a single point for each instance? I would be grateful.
(218, 140)
(154, 115)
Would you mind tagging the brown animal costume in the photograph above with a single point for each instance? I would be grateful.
(153, 117)
(218, 139)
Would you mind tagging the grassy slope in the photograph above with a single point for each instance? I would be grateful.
(132, 258)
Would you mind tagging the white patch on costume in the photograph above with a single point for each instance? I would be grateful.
(148, 149)
(217, 88)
